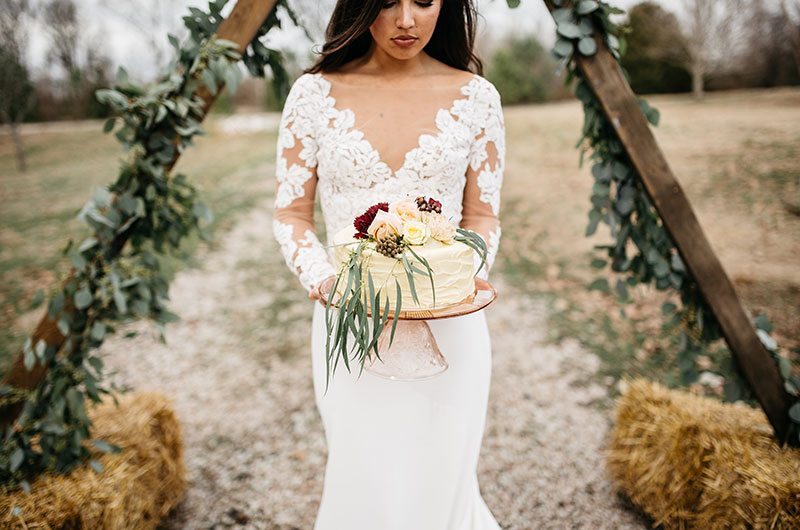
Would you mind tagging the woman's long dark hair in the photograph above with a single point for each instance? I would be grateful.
(347, 35)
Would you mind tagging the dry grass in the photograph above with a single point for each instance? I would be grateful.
(39, 207)
(137, 486)
(736, 155)
(691, 462)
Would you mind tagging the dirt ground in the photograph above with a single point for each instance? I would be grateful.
(238, 369)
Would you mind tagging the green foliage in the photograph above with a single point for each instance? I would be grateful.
(642, 251)
(655, 51)
(16, 89)
(110, 281)
(522, 70)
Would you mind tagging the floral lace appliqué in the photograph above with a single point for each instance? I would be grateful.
(351, 176)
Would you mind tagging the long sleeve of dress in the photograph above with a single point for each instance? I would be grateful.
(296, 175)
(481, 203)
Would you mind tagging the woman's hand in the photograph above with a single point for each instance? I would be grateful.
(322, 287)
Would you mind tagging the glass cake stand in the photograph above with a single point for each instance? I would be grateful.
(414, 354)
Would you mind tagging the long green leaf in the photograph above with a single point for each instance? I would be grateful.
(429, 272)
(410, 276)
(398, 303)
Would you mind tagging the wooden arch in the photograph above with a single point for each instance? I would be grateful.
(621, 107)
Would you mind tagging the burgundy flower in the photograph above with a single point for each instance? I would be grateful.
(363, 221)
(431, 205)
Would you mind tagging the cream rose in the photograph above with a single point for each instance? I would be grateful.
(441, 229)
(385, 224)
(416, 232)
(406, 209)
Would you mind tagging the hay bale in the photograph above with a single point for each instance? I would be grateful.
(694, 462)
(137, 487)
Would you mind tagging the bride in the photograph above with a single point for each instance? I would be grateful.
(395, 106)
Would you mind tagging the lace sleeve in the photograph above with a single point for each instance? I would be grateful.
(481, 204)
(296, 175)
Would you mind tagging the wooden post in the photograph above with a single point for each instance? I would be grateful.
(620, 105)
(240, 27)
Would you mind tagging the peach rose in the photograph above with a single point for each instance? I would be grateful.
(406, 209)
(385, 224)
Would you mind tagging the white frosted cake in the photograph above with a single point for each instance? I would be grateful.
(452, 264)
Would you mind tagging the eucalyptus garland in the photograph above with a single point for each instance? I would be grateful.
(109, 282)
(620, 201)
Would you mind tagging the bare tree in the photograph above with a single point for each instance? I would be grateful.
(711, 31)
(154, 20)
(79, 53)
(16, 90)
(62, 24)
(791, 15)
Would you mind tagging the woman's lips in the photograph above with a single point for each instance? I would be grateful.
(404, 41)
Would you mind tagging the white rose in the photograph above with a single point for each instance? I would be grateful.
(385, 224)
(416, 232)
(406, 209)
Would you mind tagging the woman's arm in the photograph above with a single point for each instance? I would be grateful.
(296, 175)
(481, 203)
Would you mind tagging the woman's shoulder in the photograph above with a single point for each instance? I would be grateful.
(485, 88)
(305, 82)
(307, 94)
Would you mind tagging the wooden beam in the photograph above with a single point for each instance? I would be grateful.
(621, 107)
(240, 27)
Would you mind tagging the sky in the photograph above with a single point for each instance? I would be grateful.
(106, 23)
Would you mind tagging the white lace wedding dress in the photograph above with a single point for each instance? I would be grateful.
(401, 455)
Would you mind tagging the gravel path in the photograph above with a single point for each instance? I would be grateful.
(238, 369)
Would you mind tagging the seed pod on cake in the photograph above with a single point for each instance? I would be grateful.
(391, 246)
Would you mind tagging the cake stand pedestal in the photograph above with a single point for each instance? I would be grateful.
(414, 354)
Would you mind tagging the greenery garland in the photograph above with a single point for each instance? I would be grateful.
(109, 283)
(620, 201)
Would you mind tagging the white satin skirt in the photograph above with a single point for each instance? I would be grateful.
(403, 455)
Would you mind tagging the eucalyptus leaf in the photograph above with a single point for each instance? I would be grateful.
(83, 298)
(569, 30)
(587, 46)
(586, 6)
(794, 412)
(563, 47)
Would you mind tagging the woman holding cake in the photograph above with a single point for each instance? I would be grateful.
(394, 109)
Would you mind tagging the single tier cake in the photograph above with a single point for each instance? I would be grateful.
(452, 264)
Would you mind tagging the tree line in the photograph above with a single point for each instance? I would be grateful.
(701, 45)
(681, 46)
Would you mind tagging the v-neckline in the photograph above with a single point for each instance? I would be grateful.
(381, 162)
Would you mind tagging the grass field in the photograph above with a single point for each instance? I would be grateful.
(735, 154)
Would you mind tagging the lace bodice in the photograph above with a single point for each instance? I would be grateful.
(458, 159)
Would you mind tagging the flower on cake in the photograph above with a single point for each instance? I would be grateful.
(363, 221)
(404, 222)
(441, 229)
(385, 224)
(406, 209)
(416, 232)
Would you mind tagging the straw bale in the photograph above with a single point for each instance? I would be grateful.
(137, 486)
(694, 462)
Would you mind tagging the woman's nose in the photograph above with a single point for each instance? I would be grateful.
(406, 18)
